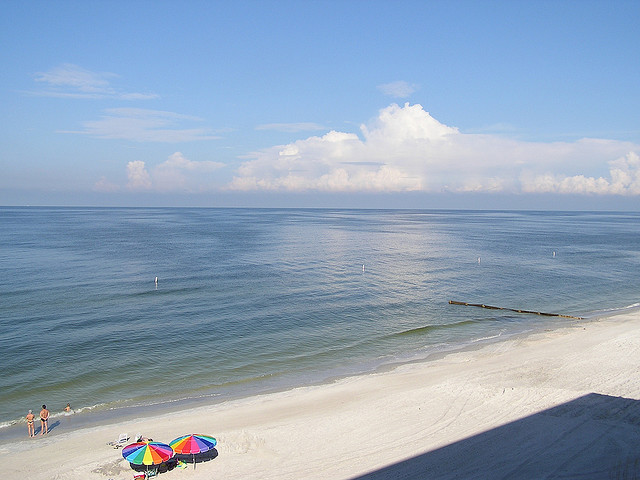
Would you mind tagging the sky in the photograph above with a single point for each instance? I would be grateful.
(353, 103)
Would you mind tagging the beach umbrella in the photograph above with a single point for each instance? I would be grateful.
(147, 453)
(193, 444)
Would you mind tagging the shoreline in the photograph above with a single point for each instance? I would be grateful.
(106, 414)
(407, 418)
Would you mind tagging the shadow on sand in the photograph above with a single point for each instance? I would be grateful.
(52, 426)
(593, 437)
(200, 457)
(171, 464)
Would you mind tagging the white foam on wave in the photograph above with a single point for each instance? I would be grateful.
(609, 312)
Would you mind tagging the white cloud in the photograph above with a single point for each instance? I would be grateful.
(623, 179)
(105, 186)
(77, 79)
(72, 81)
(177, 173)
(406, 149)
(138, 96)
(142, 125)
(625, 174)
(399, 89)
(291, 127)
(139, 178)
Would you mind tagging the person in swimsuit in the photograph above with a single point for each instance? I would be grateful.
(67, 408)
(44, 420)
(30, 427)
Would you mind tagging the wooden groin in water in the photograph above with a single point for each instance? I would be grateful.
(481, 305)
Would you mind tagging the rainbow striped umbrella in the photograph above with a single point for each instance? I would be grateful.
(147, 453)
(193, 444)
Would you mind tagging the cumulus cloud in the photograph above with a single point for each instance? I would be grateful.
(72, 81)
(399, 89)
(623, 179)
(143, 125)
(406, 149)
(139, 178)
(177, 173)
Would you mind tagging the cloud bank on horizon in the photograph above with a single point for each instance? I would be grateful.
(173, 175)
(405, 149)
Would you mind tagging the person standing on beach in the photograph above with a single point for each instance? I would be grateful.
(44, 420)
(30, 418)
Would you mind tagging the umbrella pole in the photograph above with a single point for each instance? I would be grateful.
(194, 460)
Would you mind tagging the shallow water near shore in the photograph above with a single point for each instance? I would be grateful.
(256, 300)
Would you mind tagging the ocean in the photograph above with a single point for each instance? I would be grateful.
(249, 301)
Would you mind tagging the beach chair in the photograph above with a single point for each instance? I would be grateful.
(121, 441)
(151, 473)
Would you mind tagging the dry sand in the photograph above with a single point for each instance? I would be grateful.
(561, 404)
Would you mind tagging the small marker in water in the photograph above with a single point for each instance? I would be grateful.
(156, 280)
(478, 259)
(363, 267)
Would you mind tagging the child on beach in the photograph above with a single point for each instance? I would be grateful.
(30, 426)
(44, 420)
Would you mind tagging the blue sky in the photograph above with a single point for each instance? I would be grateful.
(420, 104)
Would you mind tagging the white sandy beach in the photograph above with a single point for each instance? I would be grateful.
(562, 404)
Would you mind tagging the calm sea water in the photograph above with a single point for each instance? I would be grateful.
(251, 300)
